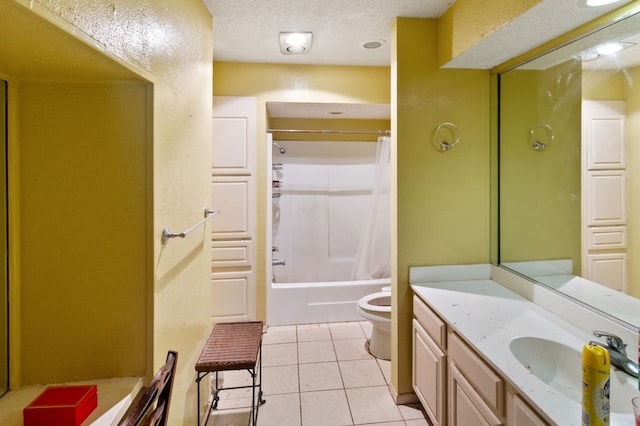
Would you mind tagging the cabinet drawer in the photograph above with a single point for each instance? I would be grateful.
(607, 238)
(231, 253)
(488, 384)
(431, 323)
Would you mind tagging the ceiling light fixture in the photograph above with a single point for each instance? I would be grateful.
(607, 49)
(596, 3)
(295, 43)
(611, 48)
(374, 44)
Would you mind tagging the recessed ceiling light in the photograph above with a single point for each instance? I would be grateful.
(374, 44)
(295, 43)
(607, 49)
(611, 48)
(595, 3)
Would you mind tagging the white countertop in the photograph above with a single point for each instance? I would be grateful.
(488, 316)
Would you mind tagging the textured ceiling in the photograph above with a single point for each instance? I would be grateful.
(247, 30)
(542, 23)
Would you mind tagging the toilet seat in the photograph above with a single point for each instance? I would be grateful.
(366, 304)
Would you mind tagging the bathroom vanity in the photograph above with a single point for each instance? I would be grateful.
(485, 355)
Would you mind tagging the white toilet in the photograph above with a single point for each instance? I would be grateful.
(376, 308)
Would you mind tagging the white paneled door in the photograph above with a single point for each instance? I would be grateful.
(233, 193)
(604, 198)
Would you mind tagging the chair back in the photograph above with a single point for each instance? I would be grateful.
(153, 407)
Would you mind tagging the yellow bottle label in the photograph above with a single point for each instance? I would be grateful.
(595, 386)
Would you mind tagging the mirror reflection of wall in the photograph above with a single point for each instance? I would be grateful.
(569, 197)
(540, 190)
(4, 303)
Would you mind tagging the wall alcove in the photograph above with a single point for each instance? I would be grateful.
(78, 155)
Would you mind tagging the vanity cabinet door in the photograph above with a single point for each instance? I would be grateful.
(487, 384)
(523, 415)
(429, 375)
(466, 406)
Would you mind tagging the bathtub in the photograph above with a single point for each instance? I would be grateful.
(318, 302)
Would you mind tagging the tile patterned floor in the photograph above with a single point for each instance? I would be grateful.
(318, 375)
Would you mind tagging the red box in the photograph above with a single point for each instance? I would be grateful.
(61, 406)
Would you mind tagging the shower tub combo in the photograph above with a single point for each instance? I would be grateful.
(322, 195)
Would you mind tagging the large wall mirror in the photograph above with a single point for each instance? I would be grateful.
(569, 175)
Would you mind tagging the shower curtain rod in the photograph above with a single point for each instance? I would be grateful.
(332, 132)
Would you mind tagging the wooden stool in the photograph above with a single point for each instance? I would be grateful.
(233, 346)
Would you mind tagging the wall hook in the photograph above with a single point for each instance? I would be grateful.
(540, 136)
(439, 140)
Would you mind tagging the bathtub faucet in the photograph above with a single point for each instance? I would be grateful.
(278, 262)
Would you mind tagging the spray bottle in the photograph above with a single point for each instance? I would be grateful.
(595, 385)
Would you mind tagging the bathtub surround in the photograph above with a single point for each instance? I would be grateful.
(322, 205)
(325, 194)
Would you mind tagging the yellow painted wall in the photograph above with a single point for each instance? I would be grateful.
(442, 198)
(292, 83)
(99, 167)
(82, 215)
(603, 85)
(540, 188)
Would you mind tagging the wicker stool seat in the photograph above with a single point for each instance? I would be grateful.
(233, 346)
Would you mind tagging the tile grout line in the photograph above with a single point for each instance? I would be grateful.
(334, 334)
(299, 377)
(344, 386)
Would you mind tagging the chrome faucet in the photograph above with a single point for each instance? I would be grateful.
(617, 352)
(278, 262)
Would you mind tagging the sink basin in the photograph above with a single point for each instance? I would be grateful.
(560, 367)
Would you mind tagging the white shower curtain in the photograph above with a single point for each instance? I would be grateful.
(373, 258)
